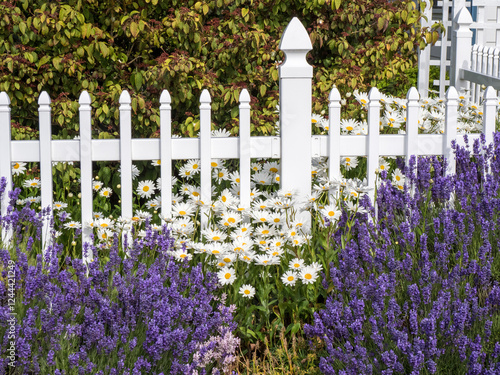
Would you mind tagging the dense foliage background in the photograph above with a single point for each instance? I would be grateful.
(145, 46)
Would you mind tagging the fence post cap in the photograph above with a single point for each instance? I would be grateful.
(165, 97)
(295, 37)
(413, 94)
(4, 98)
(451, 93)
(44, 98)
(205, 97)
(244, 96)
(334, 95)
(84, 98)
(464, 17)
(125, 98)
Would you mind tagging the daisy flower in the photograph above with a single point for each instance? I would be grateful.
(331, 212)
(362, 98)
(296, 264)
(247, 291)
(181, 255)
(72, 225)
(216, 163)
(32, 183)
(104, 234)
(262, 178)
(220, 174)
(227, 258)
(265, 231)
(220, 133)
(261, 217)
(271, 167)
(289, 278)
(227, 198)
(256, 167)
(183, 209)
(308, 274)
(60, 205)
(349, 125)
(186, 172)
(146, 189)
(193, 165)
(18, 168)
(106, 192)
(264, 260)
(231, 219)
(350, 162)
(33, 200)
(135, 171)
(105, 223)
(398, 176)
(156, 163)
(226, 276)
(153, 203)
(213, 235)
(96, 185)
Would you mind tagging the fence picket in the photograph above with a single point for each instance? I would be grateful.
(450, 127)
(245, 149)
(334, 137)
(46, 178)
(166, 154)
(373, 139)
(86, 168)
(6, 160)
(126, 157)
(205, 155)
(411, 139)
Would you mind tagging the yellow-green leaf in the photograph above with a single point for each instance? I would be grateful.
(134, 29)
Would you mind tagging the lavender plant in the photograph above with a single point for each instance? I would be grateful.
(140, 313)
(418, 291)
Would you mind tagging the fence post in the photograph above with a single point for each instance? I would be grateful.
(86, 170)
(5, 160)
(450, 127)
(205, 155)
(166, 154)
(295, 111)
(461, 48)
(46, 178)
(424, 55)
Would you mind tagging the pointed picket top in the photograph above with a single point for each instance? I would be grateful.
(451, 93)
(490, 93)
(334, 95)
(463, 18)
(413, 94)
(84, 98)
(4, 99)
(205, 97)
(125, 97)
(165, 97)
(295, 37)
(374, 95)
(244, 96)
(44, 99)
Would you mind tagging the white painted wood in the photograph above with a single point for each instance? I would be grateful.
(126, 159)
(5, 160)
(245, 150)
(411, 139)
(205, 155)
(461, 56)
(450, 132)
(334, 112)
(165, 154)
(86, 169)
(490, 112)
(424, 55)
(46, 178)
(295, 110)
(373, 150)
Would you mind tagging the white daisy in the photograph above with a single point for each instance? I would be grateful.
(18, 168)
(60, 205)
(146, 189)
(289, 278)
(308, 274)
(32, 183)
(106, 192)
(247, 291)
(96, 185)
(226, 276)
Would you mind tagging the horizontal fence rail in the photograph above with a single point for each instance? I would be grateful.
(295, 111)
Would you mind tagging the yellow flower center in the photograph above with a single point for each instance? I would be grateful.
(221, 174)
(265, 231)
(274, 170)
(308, 276)
(214, 164)
(215, 238)
(227, 276)
(247, 291)
(227, 260)
(16, 166)
(195, 166)
(290, 278)
(104, 225)
(145, 188)
(182, 255)
(232, 220)
(182, 212)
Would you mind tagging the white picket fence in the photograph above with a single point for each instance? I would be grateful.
(295, 146)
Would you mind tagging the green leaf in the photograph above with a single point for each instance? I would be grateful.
(244, 12)
(134, 29)
(336, 4)
(381, 23)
